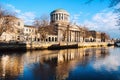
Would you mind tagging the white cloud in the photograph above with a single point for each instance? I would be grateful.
(117, 6)
(12, 8)
(75, 18)
(111, 62)
(27, 17)
(104, 21)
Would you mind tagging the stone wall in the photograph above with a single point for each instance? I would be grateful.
(46, 45)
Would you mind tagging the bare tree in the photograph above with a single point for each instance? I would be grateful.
(41, 21)
(44, 28)
(7, 20)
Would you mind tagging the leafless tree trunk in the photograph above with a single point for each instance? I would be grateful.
(44, 28)
(41, 21)
(7, 20)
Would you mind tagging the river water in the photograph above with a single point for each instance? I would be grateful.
(68, 64)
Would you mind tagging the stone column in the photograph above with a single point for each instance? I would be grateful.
(70, 35)
(79, 36)
(67, 17)
(62, 16)
(75, 36)
(59, 16)
(54, 39)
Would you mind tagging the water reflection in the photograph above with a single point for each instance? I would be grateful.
(51, 65)
(10, 66)
(109, 63)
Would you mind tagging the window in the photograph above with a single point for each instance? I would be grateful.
(26, 29)
(49, 39)
(18, 23)
(52, 38)
(55, 39)
(18, 38)
(29, 30)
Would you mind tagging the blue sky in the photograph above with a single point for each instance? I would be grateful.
(95, 15)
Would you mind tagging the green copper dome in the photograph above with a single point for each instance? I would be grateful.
(59, 10)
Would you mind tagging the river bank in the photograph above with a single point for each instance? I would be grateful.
(50, 45)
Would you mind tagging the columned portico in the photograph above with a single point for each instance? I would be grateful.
(59, 16)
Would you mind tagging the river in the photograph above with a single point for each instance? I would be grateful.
(101, 63)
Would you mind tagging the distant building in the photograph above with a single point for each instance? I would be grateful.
(96, 36)
(104, 37)
(30, 33)
(15, 31)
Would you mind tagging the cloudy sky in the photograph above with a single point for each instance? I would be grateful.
(95, 16)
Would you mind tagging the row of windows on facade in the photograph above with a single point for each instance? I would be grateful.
(29, 30)
(49, 39)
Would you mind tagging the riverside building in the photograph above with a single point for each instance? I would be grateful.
(59, 30)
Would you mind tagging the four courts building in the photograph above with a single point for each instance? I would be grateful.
(60, 29)
(65, 31)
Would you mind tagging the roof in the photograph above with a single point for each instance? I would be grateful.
(59, 10)
(62, 10)
(29, 26)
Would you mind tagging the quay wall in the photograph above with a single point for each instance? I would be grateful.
(93, 44)
(46, 45)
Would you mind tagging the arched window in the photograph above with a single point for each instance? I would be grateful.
(52, 38)
(49, 39)
(55, 39)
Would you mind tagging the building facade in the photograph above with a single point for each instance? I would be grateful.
(65, 31)
(15, 30)
(29, 33)
(60, 29)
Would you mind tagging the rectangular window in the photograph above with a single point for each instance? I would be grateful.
(18, 23)
(26, 29)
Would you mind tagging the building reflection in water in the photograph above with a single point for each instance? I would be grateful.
(47, 64)
(10, 66)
